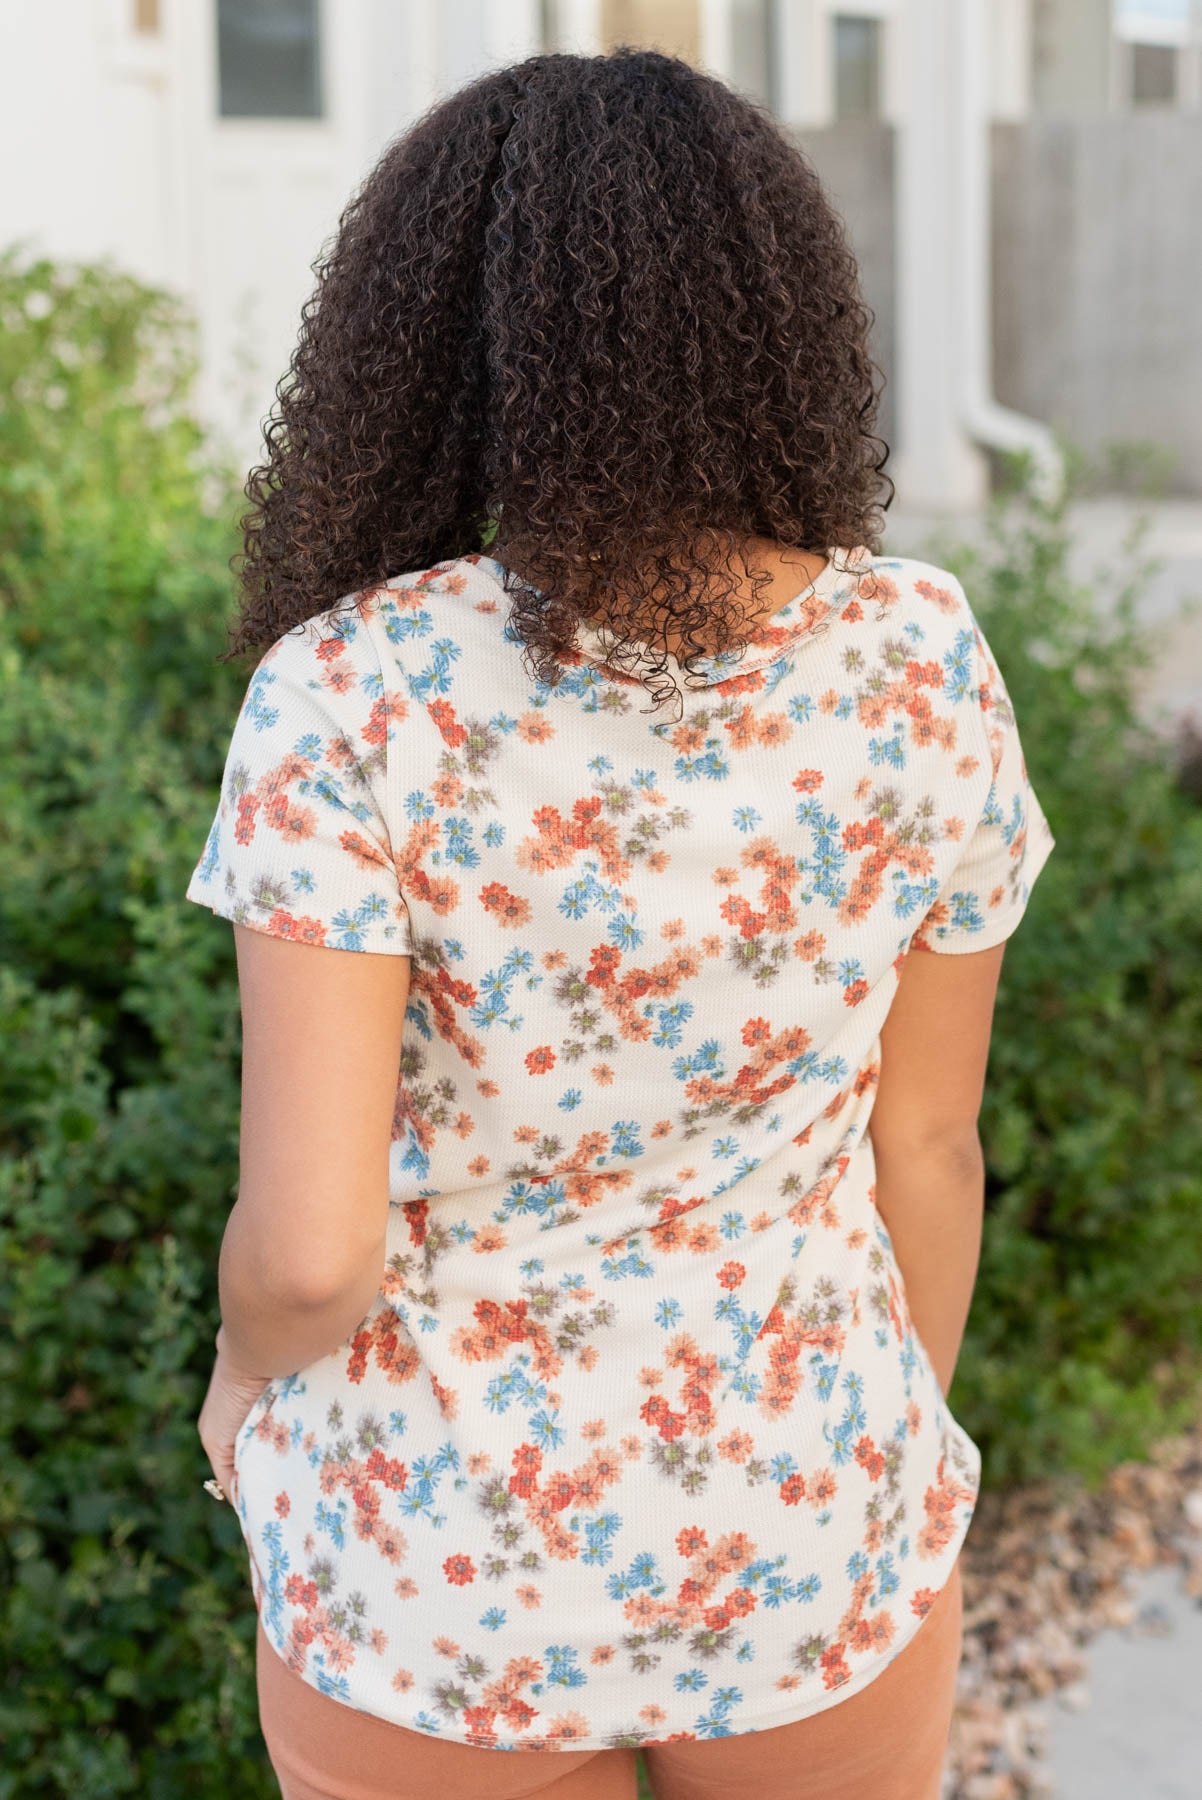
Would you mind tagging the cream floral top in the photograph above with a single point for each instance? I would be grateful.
(637, 1440)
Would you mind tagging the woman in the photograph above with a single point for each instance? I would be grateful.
(581, 1381)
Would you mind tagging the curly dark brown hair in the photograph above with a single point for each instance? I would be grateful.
(602, 306)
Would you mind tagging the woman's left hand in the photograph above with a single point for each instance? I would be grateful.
(232, 1392)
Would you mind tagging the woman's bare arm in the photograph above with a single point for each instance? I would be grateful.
(303, 1251)
(929, 1164)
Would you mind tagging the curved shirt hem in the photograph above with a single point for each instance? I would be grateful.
(855, 1684)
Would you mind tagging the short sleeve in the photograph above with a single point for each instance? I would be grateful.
(986, 894)
(300, 846)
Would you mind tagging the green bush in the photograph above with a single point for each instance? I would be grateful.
(1085, 1335)
(127, 1639)
(127, 1621)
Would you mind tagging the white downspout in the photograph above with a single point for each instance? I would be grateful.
(985, 419)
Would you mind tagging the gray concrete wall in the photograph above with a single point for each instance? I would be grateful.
(1097, 279)
(1072, 48)
(855, 164)
(1097, 255)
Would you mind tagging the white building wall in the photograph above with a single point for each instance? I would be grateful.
(83, 135)
(260, 197)
(115, 147)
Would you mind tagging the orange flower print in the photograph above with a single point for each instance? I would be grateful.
(567, 1728)
(507, 908)
(874, 1634)
(942, 597)
(447, 790)
(535, 728)
(444, 717)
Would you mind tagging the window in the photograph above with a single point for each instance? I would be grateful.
(268, 59)
(857, 66)
(1153, 74)
(1160, 60)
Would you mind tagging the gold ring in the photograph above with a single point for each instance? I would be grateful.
(215, 1488)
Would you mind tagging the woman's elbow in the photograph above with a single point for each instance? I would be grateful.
(957, 1152)
(290, 1265)
(314, 1284)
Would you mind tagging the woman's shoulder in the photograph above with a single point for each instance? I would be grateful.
(910, 586)
(926, 606)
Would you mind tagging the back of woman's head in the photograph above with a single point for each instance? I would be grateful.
(601, 303)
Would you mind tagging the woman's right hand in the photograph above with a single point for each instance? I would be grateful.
(232, 1393)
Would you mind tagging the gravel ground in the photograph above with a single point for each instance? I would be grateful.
(1047, 1568)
